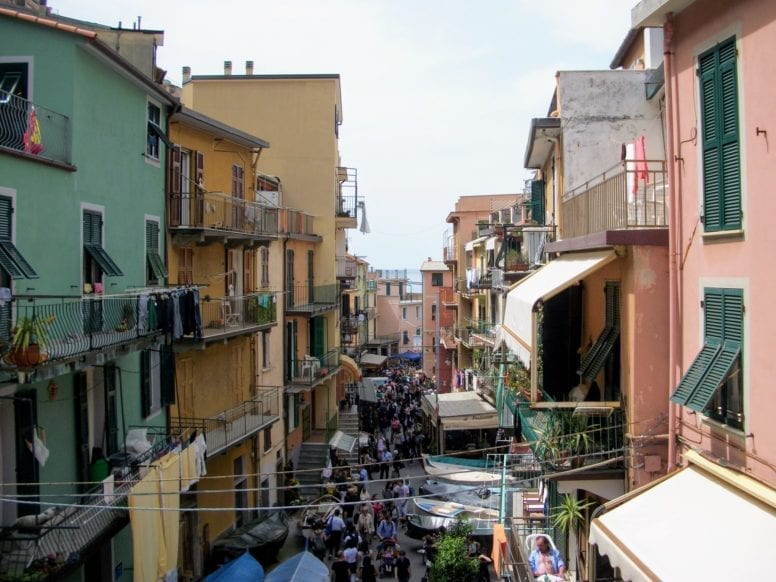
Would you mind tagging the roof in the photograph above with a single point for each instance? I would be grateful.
(625, 45)
(539, 144)
(654, 12)
(222, 130)
(434, 266)
(50, 22)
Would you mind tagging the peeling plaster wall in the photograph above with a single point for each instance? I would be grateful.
(600, 111)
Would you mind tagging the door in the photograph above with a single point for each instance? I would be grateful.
(111, 410)
(25, 408)
(290, 291)
(81, 398)
(291, 350)
(310, 277)
(318, 336)
(307, 426)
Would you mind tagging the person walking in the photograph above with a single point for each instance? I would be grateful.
(335, 527)
(340, 571)
(403, 567)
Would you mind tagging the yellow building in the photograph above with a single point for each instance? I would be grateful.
(300, 115)
(218, 239)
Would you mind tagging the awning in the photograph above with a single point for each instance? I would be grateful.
(372, 359)
(697, 514)
(490, 244)
(519, 317)
(350, 366)
(461, 410)
(469, 246)
(343, 441)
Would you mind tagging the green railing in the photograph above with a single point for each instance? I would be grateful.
(312, 298)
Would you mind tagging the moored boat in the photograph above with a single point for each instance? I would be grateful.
(262, 537)
(317, 513)
(462, 474)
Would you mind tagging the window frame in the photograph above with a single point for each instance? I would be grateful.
(151, 381)
(266, 362)
(154, 133)
(95, 258)
(437, 279)
(156, 271)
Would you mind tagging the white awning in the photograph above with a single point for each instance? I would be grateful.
(343, 441)
(519, 317)
(690, 526)
(372, 359)
(460, 410)
(469, 246)
(490, 244)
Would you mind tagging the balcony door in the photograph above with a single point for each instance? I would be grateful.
(318, 336)
(185, 185)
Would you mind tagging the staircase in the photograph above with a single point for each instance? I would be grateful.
(311, 456)
(348, 423)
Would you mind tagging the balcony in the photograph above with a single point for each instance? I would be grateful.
(448, 297)
(214, 216)
(34, 132)
(311, 299)
(483, 333)
(312, 370)
(75, 531)
(298, 225)
(371, 286)
(447, 338)
(234, 425)
(448, 253)
(347, 200)
(384, 339)
(354, 332)
(631, 195)
(71, 327)
(347, 268)
(225, 317)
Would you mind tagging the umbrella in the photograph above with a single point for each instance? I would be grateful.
(245, 568)
(303, 566)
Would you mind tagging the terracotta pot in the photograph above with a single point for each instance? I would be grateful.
(27, 357)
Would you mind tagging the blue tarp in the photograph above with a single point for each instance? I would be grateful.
(409, 356)
(245, 568)
(302, 567)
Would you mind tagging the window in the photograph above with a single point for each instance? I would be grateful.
(405, 337)
(404, 313)
(720, 139)
(433, 312)
(713, 383)
(154, 133)
(401, 290)
(537, 201)
(417, 332)
(265, 349)
(150, 384)
(387, 289)
(96, 260)
(267, 438)
(596, 356)
(417, 312)
(249, 271)
(185, 266)
(14, 265)
(155, 269)
(240, 492)
(264, 267)
(436, 279)
(14, 107)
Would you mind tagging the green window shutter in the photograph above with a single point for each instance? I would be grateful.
(733, 305)
(721, 149)
(155, 262)
(717, 372)
(145, 384)
(713, 314)
(111, 410)
(6, 217)
(537, 201)
(697, 371)
(92, 228)
(108, 266)
(167, 365)
(11, 260)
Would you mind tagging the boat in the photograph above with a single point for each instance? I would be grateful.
(462, 474)
(420, 525)
(465, 494)
(317, 513)
(455, 510)
(262, 537)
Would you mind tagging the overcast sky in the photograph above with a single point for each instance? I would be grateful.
(437, 94)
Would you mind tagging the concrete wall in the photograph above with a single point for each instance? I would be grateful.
(600, 111)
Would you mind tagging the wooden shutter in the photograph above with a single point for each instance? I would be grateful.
(537, 201)
(185, 266)
(176, 175)
(310, 276)
(167, 374)
(290, 278)
(231, 276)
(696, 371)
(92, 228)
(249, 271)
(111, 410)
(264, 267)
(720, 139)
(6, 217)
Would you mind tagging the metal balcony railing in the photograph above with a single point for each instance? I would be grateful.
(347, 268)
(71, 326)
(307, 298)
(296, 222)
(71, 533)
(632, 194)
(222, 213)
(312, 369)
(383, 339)
(347, 192)
(232, 426)
(34, 130)
(233, 315)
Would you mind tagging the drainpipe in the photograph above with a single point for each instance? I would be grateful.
(674, 242)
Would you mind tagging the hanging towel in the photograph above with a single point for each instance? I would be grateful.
(640, 155)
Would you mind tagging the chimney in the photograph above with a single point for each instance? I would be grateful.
(249, 68)
(186, 74)
(227, 68)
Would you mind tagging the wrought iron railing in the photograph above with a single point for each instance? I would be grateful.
(233, 425)
(312, 369)
(223, 213)
(65, 327)
(222, 315)
(312, 298)
(35, 130)
(347, 268)
(347, 192)
(296, 222)
(632, 194)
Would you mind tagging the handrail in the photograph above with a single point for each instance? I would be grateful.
(34, 130)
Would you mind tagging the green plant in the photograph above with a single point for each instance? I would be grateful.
(452, 561)
(569, 515)
(31, 331)
(578, 438)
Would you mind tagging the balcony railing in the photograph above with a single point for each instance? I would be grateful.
(228, 316)
(354, 334)
(633, 194)
(34, 130)
(296, 222)
(347, 268)
(482, 332)
(371, 286)
(219, 214)
(448, 253)
(384, 339)
(26, 552)
(233, 425)
(306, 298)
(313, 369)
(72, 326)
(347, 193)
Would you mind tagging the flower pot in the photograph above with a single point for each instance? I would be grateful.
(26, 357)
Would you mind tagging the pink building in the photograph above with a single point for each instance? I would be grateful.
(438, 360)
(719, 79)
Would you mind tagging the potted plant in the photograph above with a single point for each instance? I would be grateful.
(578, 439)
(569, 515)
(28, 344)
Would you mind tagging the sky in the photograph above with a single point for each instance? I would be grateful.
(437, 95)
